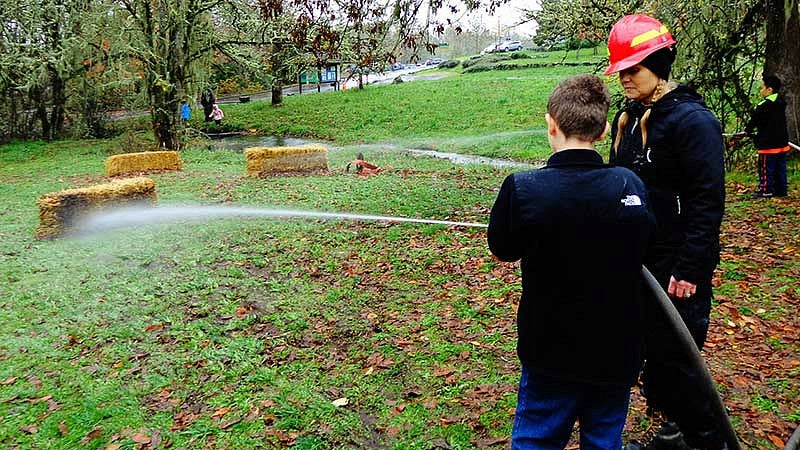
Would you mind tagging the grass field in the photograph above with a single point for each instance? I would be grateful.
(265, 333)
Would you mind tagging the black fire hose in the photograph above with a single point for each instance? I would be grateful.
(709, 391)
(794, 442)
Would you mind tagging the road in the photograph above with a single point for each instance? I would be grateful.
(374, 78)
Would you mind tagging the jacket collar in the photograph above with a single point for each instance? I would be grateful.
(575, 157)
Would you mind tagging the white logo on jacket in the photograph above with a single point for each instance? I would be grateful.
(631, 200)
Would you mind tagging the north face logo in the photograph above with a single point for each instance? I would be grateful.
(631, 200)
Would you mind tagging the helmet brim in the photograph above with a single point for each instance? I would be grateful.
(637, 58)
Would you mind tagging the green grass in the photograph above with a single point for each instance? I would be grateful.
(490, 114)
(240, 333)
(159, 328)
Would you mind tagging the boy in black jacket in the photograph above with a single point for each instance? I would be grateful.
(771, 139)
(580, 228)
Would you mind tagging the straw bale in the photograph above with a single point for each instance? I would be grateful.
(263, 161)
(142, 162)
(60, 211)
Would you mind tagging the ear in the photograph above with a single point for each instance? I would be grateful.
(605, 132)
(552, 128)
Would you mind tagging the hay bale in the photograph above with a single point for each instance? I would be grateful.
(142, 162)
(60, 211)
(264, 161)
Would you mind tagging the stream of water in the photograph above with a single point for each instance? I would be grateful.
(142, 215)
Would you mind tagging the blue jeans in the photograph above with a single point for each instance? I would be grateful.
(772, 173)
(547, 409)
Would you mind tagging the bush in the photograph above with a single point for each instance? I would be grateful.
(452, 64)
(486, 59)
(479, 68)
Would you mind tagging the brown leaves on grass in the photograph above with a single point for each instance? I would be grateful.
(753, 346)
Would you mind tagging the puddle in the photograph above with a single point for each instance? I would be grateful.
(408, 77)
(458, 158)
(239, 143)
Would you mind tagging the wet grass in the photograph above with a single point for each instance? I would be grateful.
(243, 333)
(233, 334)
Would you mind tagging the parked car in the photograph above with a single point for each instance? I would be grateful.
(490, 49)
(434, 61)
(510, 46)
(398, 66)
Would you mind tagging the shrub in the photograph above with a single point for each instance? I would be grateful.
(486, 59)
(479, 68)
(452, 64)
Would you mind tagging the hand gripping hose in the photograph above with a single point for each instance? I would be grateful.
(709, 391)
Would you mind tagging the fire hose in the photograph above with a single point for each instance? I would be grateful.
(709, 391)
(794, 442)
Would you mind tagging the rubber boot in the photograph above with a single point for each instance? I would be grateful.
(669, 437)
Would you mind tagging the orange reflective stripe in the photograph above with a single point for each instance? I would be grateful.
(773, 151)
(649, 35)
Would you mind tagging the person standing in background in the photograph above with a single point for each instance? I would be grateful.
(186, 111)
(767, 127)
(217, 114)
(207, 100)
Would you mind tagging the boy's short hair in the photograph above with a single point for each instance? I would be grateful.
(579, 106)
(772, 81)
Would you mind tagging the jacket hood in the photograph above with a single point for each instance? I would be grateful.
(681, 94)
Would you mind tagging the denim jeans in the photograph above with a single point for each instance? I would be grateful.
(547, 409)
(772, 173)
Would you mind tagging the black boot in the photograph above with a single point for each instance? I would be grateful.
(669, 437)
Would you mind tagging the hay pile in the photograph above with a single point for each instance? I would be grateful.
(142, 162)
(60, 211)
(264, 161)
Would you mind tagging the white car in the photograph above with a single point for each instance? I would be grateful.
(490, 49)
(510, 46)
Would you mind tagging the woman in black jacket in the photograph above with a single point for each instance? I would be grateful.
(668, 137)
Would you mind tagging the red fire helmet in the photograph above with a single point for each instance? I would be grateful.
(633, 38)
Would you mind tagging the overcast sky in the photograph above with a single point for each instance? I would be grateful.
(507, 16)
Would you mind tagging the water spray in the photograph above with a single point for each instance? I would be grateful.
(139, 216)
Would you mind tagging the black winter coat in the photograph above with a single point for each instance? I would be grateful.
(768, 120)
(580, 228)
(682, 166)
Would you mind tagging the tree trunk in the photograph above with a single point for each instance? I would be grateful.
(277, 93)
(165, 126)
(37, 98)
(782, 57)
(59, 87)
(165, 115)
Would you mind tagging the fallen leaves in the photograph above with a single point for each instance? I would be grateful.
(92, 435)
(30, 429)
(341, 402)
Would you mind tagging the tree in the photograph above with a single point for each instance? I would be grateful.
(782, 56)
(40, 43)
(171, 40)
(721, 47)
